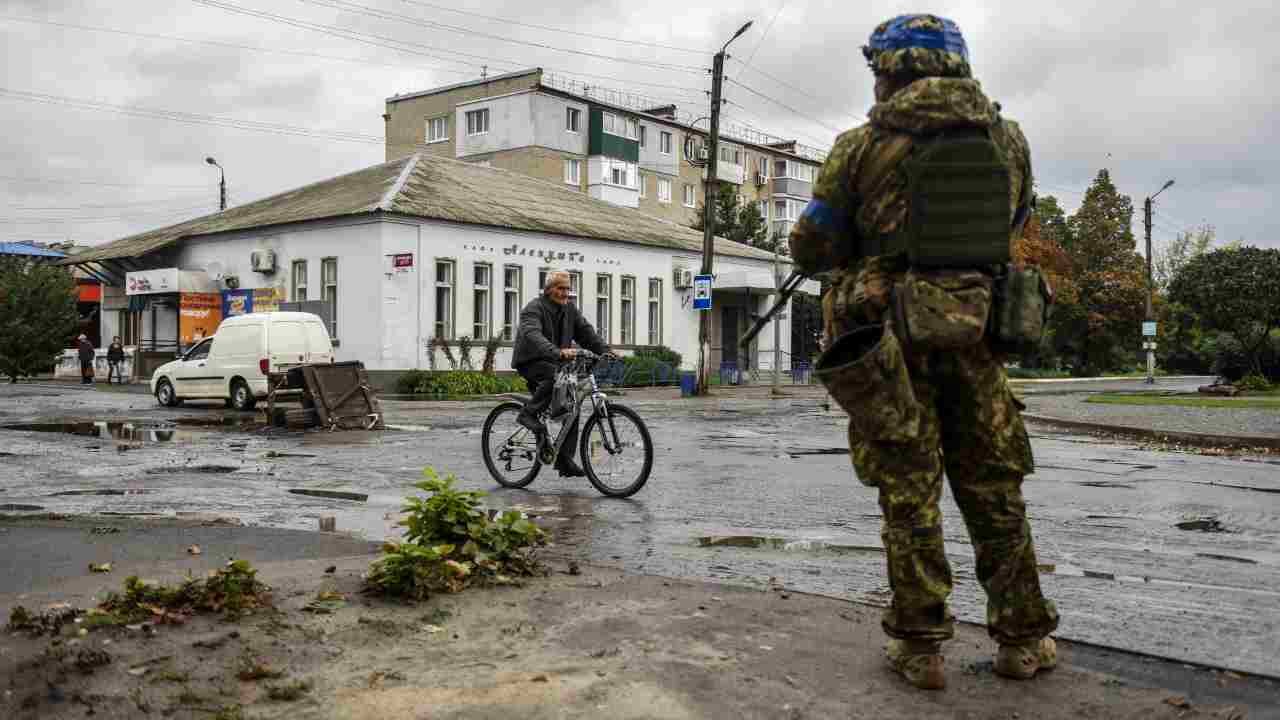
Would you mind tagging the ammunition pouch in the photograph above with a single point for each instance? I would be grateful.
(1022, 301)
(866, 373)
(941, 309)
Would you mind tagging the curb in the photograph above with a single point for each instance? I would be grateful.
(1186, 438)
(1105, 379)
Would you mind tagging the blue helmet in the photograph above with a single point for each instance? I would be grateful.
(920, 45)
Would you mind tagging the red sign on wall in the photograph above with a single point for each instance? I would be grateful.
(404, 260)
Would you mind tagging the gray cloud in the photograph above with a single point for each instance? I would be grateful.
(1180, 93)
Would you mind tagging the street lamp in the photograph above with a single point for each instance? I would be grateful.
(222, 186)
(1150, 344)
(709, 208)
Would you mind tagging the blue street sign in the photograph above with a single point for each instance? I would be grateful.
(702, 292)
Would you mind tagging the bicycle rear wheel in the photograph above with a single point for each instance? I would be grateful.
(622, 471)
(510, 449)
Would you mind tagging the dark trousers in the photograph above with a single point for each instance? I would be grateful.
(540, 375)
(116, 368)
(86, 372)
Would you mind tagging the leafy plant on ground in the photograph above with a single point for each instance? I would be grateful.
(459, 382)
(1254, 383)
(465, 344)
(451, 542)
(233, 589)
(490, 354)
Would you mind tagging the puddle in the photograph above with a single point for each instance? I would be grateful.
(197, 469)
(1105, 484)
(142, 431)
(1202, 525)
(785, 545)
(17, 507)
(100, 492)
(1229, 558)
(798, 452)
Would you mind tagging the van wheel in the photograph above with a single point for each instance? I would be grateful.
(241, 396)
(165, 394)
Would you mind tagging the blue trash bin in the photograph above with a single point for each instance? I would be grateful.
(688, 384)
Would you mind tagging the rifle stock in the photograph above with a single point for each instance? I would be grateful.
(784, 294)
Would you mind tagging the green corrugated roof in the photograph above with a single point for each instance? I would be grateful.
(439, 189)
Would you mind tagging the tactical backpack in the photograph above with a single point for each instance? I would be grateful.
(958, 195)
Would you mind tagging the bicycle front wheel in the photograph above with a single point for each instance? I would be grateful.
(510, 449)
(617, 452)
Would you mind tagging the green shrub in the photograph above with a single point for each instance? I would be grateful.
(1229, 358)
(641, 371)
(458, 382)
(1254, 382)
(659, 352)
(451, 543)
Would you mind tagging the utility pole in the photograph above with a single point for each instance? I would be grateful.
(1150, 343)
(777, 330)
(222, 185)
(709, 211)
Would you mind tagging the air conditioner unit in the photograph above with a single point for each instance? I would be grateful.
(264, 261)
(761, 179)
(683, 278)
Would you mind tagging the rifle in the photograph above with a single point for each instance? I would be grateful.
(788, 287)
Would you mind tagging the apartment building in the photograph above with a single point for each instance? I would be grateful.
(614, 146)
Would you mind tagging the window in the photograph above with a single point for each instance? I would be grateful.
(690, 197)
(482, 309)
(620, 172)
(604, 289)
(780, 209)
(573, 172)
(542, 278)
(762, 166)
(655, 311)
(628, 290)
(511, 277)
(762, 207)
(664, 190)
(329, 291)
(729, 155)
(643, 136)
(633, 129)
(792, 169)
(299, 281)
(664, 142)
(437, 129)
(478, 122)
(610, 122)
(644, 180)
(444, 299)
(572, 116)
(575, 285)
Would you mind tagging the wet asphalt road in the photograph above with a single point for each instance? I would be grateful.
(1104, 515)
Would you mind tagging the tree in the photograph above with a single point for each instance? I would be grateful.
(1110, 275)
(1169, 259)
(1042, 250)
(738, 221)
(37, 315)
(1235, 290)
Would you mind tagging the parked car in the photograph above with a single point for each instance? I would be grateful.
(234, 364)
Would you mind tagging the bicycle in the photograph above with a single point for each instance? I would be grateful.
(615, 448)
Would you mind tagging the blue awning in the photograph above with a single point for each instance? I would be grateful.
(17, 248)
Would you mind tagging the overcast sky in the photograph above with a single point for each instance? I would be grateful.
(1184, 92)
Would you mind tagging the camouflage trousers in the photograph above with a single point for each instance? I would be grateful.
(970, 426)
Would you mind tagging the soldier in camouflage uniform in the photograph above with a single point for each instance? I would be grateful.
(919, 411)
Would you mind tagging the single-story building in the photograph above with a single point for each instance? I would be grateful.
(424, 247)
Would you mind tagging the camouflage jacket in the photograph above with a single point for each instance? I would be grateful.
(861, 190)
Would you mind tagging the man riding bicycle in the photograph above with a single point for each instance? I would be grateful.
(549, 325)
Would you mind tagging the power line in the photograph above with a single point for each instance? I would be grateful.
(62, 181)
(104, 206)
(765, 34)
(397, 17)
(111, 218)
(785, 106)
(405, 46)
(216, 43)
(852, 116)
(559, 30)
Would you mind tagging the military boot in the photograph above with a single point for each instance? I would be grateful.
(1021, 662)
(919, 661)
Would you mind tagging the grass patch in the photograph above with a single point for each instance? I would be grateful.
(1252, 403)
(232, 589)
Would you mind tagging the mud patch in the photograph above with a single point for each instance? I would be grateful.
(784, 544)
(195, 469)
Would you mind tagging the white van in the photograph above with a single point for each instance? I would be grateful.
(235, 363)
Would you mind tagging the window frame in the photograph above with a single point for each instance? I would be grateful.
(445, 328)
(329, 292)
(627, 308)
(690, 196)
(481, 317)
(644, 136)
(511, 311)
(573, 120)
(664, 142)
(444, 129)
(575, 288)
(604, 323)
(661, 182)
(655, 311)
(295, 286)
(576, 164)
(480, 113)
(640, 178)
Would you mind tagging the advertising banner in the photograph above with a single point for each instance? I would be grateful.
(199, 315)
(240, 302)
(150, 282)
(267, 299)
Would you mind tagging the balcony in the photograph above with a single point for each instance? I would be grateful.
(792, 187)
(730, 173)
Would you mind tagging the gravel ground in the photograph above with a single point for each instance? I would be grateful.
(1243, 422)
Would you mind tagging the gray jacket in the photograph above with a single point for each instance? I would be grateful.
(536, 338)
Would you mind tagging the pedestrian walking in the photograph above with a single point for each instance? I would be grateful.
(913, 215)
(87, 355)
(115, 360)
